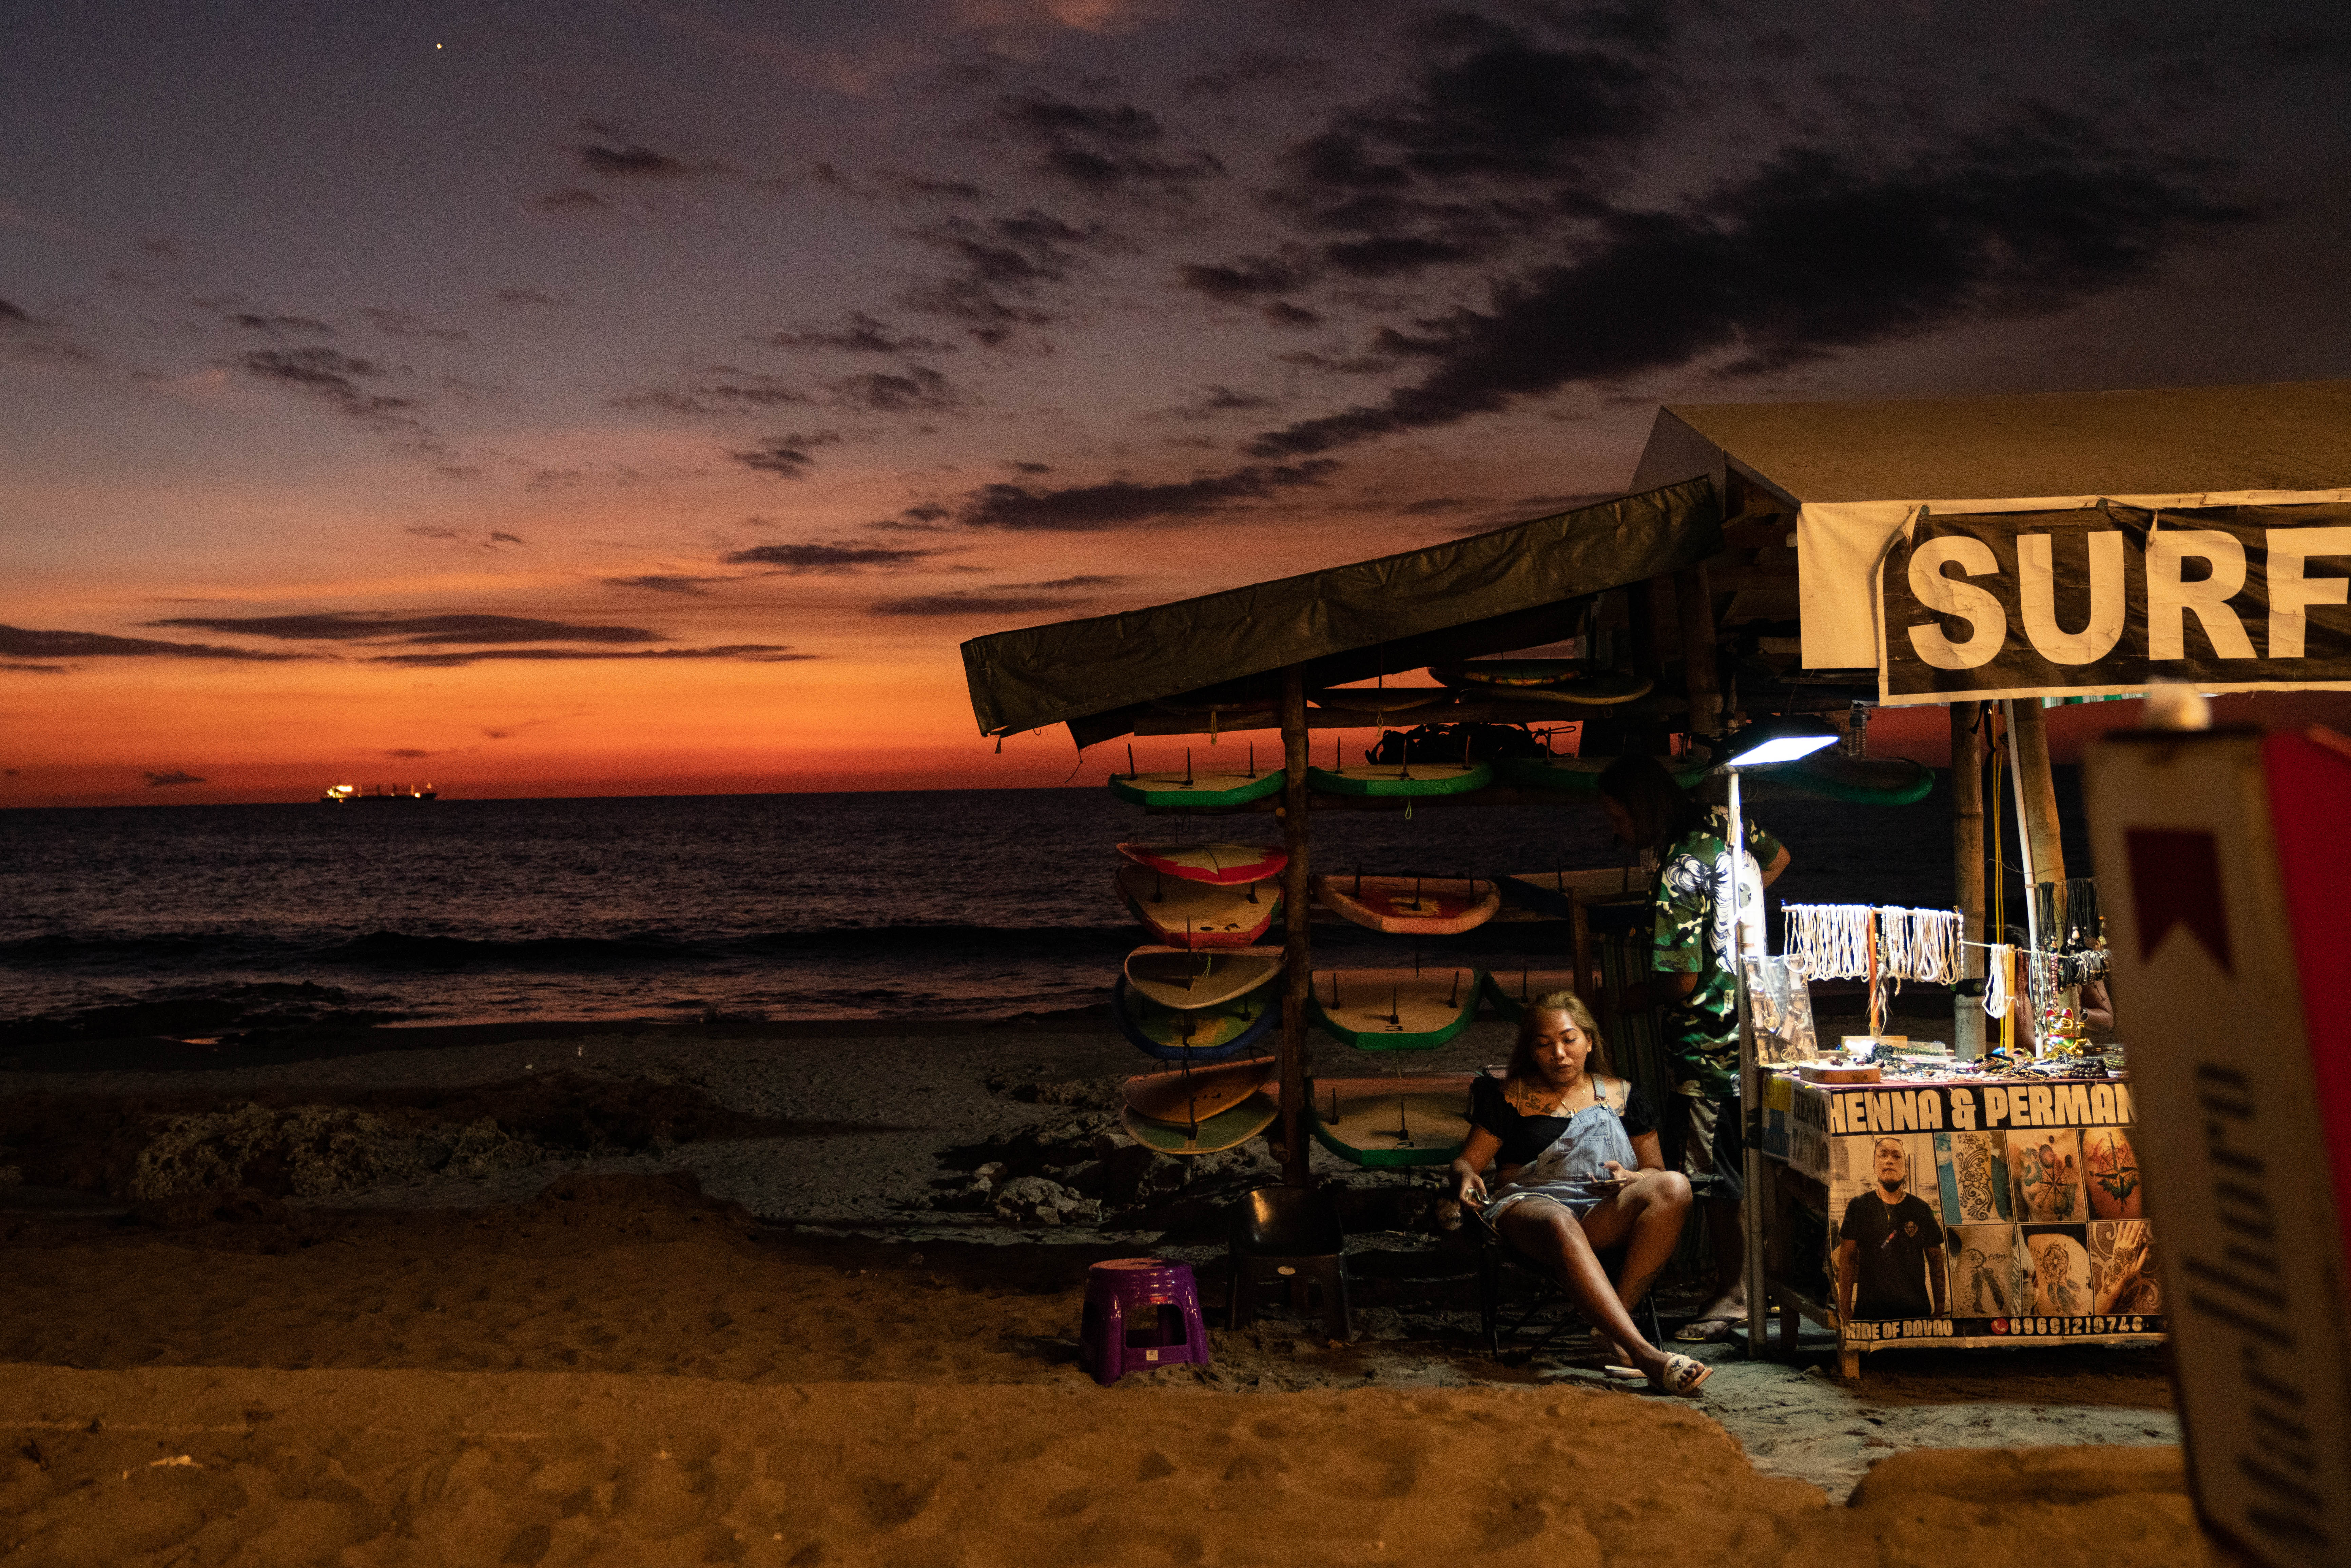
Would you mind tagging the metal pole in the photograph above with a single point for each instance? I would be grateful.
(1751, 1084)
(1968, 869)
(1297, 951)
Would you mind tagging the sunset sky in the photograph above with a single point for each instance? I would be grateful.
(593, 398)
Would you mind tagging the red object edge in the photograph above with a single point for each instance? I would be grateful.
(2309, 781)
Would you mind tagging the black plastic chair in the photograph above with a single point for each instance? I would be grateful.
(1289, 1239)
(1496, 1256)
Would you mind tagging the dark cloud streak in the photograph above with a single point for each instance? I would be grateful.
(16, 642)
(1101, 146)
(1812, 253)
(1122, 503)
(830, 560)
(686, 587)
(631, 161)
(753, 653)
(785, 456)
(862, 334)
(343, 627)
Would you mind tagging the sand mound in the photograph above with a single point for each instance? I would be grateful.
(268, 1468)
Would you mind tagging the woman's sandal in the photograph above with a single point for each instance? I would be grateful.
(1684, 1376)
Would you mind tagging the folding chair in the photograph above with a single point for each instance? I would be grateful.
(1495, 1256)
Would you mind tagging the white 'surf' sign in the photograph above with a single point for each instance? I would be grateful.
(2109, 598)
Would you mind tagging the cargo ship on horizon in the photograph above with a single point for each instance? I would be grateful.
(375, 794)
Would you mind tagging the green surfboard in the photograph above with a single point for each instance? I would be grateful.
(1395, 1009)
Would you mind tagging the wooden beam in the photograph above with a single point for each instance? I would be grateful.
(1694, 607)
(2030, 751)
(1968, 868)
(1296, 947)
(1579, 947)
(1641, 610)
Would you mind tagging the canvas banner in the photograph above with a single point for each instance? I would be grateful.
(1982, 1213)
(2107, 599)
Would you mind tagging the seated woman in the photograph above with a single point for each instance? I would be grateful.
(1580, 1171)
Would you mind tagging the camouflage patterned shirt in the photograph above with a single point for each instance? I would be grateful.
(1690, 910)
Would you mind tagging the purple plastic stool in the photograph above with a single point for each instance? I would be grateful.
(1140, 1311)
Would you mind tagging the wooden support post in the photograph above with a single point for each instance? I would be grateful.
(1297, 951)
(2029, 751)
(1694, 608)
(1641, 610)
(1579, 926)
(1968, 869)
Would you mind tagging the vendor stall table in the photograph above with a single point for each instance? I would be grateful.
(2023, 1189)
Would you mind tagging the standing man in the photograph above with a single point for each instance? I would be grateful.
(1890, 1246)
(1691, 951)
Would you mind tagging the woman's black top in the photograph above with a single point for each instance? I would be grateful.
(1524, 1136)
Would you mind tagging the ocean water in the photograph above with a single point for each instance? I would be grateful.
(973, 903)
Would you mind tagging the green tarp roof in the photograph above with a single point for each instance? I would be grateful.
(1516, 587)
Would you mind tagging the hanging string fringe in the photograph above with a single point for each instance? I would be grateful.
(1996, 999)
(1833, 941)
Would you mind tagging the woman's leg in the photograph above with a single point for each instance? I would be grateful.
(1553, 1236)
(1646, 1219)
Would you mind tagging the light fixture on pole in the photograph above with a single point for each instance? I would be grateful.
(1766, 745)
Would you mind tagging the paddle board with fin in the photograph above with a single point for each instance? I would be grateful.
(1188, 980)
(1511, 989)
(1225, 1130)
(1378, 703)
(1221, 865)
(1197, 1035)
(1222, 781)
(1411, 1119)
(1606, 689)
(1394, 1010)
(1410, 905)
(1407, 780)
(1516, 674)
(1194, 915)
(1862, 780)
(1183, 1095)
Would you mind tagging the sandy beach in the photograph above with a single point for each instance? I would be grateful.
(750, 1293)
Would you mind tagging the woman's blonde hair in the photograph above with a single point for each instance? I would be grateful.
(1522, 1057)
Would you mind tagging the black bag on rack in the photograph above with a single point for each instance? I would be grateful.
(1452, 742)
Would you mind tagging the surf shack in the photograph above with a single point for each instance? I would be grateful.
(1989, 557)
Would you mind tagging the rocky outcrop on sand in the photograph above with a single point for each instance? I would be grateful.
(315, 1150)
(1081, 1168)
(160, 1151)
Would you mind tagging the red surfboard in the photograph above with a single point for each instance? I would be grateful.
(1196, 914)
(1220, 866)
(1411, 905)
